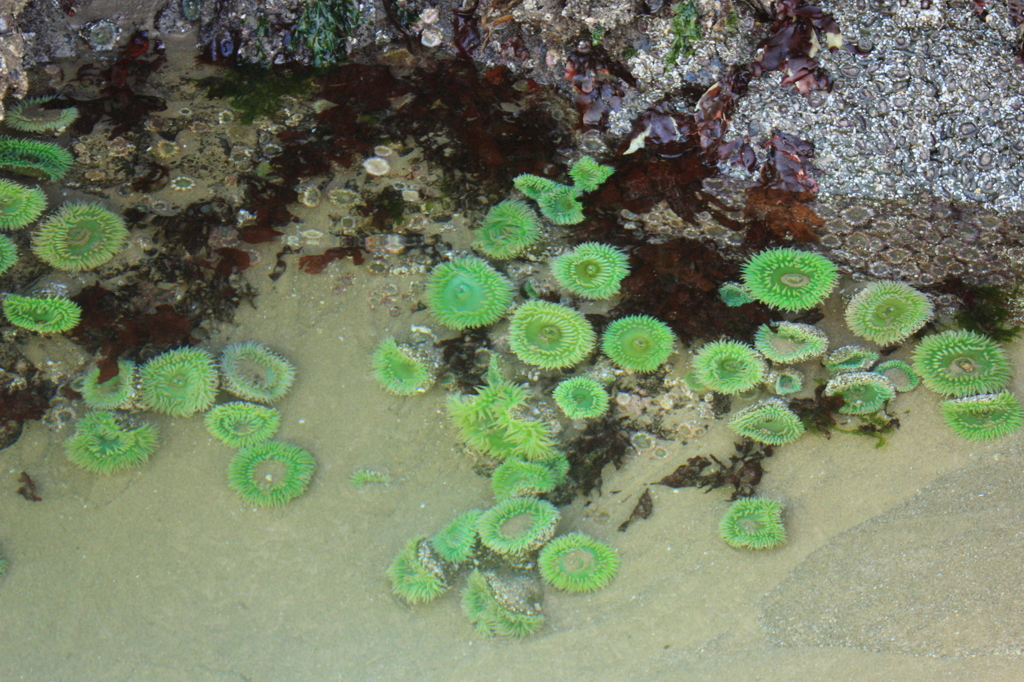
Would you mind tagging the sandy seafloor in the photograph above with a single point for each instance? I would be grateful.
(903, 562)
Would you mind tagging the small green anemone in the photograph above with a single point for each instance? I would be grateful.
(417, 576)
(116, 392)
(549, 335)
(45, 315)
(785, 381)
(509, 228)
(240, 424)
(19, 205)
(961, 363)
(103, 444)
(488, 422)
(768, 421)
(638, 342)
(561, 205)
(788, 343)
(456, 542)
(983, 417)
(33, 158)
(397, 371)
(753, 522)
(790, 279)
(587, 174)
(467, 292)
(80, 236)
(581, 398)
(863, 392)
(849, 359)
(517, 525)
(887, 312)
(577, 563)
(516, 478)
(903, 377)
(29, 116)
(591, 270)
(179, 382)
(8, 254)
(729, 367)
(534, 186)
(271, 473)
(734, 294)
(252, 371)
(510, 616)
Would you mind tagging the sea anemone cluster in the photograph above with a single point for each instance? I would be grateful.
(560, 203)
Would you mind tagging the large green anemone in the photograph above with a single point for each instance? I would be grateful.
(561, 205)
(753, 522)
(467, 292)
(116, 392)
(591, 270)
(983, 417)
(397, 371)
(587, 174)
(577, 563)
(19, 205)
(417, 576)
(788, 343)
(961, 363)
(491, 616)
(240, 424)
(251, 371)
(179, 382)
(8, 254)
(849, 359)
(862, 392)
(729, 367)
(456, 542)
(790, 279)
(271, 473)
(45, 315)
(517, 525)
(768, 421)
(549, 335)
(33, 158)
(509, 228)
(103, 444)
(639, 342)
(581, 398)
(903, 377)
(79, 236)
(887, 312)
(29, 116)
(516, 478)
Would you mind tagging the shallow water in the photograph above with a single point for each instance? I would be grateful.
(164, 574)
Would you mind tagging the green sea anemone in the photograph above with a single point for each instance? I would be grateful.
(19, 205)
(397, 371)
(179, 382)
(517, 525)
(581, 398)
(516, 478)
(561, 205)
(734, 294)
(535, 186)
(862, 392)
(753, 522)
(33, 158)
(491, 616)
(251, 371)
(788, 343)
(489, 423)
(887, 312)
(456, 542)
(29, 116)
(79, 237)
(587, 174)
(961, 363)
(240, 424)
(790, 279)
(8, 254)
(729, 367)
(417, 576)
(46, 315)
(577, 563)
(467, 292)
(849, 359)
(116, 392)
(509, 228)
(903, 377)
(549, 335)
(983, 417)
(270, 473)
(638, 343)
(785, 381)
(364, 477)
(591, 270)
(768, 421)
(103, 444)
